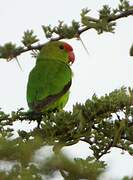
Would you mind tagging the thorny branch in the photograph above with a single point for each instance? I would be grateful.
(110, 19)
(80, 30)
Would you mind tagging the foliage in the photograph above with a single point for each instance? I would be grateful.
(9, 51)
(98, 122)
(29, 39)
(127, 178)
(76, 169)
(106, 22)
(101, 122)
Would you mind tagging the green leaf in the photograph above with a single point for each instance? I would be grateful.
(9, 51)
(29, 38)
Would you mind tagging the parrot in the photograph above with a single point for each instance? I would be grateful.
(50, 79)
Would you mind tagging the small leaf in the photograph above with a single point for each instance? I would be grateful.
(47, 31)
(29, 38)
(10, 51)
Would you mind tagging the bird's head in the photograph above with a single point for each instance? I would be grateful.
(57, 50)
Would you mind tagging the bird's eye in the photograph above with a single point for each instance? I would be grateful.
(61, 47)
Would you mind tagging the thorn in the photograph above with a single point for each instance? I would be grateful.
(79, 38)
(18, 64)
(84, 46)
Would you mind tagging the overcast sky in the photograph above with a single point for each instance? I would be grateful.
(107, 67)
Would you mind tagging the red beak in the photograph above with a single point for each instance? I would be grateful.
(71, 55)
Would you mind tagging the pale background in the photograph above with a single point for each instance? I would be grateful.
(108, 66)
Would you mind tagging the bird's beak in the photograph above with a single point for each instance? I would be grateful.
(71, 56)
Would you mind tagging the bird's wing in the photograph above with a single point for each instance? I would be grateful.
(48, 81)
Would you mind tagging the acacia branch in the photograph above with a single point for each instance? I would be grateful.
(81, 29)
(110, 19)
(121, 15)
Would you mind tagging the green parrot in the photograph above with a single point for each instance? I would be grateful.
(50, 80)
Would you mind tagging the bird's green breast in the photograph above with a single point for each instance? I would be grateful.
(48, 85)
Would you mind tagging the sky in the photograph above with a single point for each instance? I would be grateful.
(107, 67)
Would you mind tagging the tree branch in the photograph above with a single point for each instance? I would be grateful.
(121, 15)
(91, 23)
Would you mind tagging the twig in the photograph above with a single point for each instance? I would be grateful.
(79, 32)
(106, 150)
(121, 15)
(111, 18)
